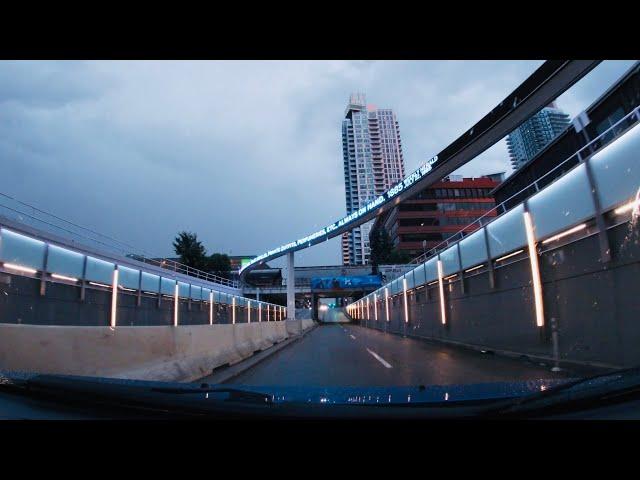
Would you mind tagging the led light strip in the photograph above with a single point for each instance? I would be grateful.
(375, 306)
(575, 229)
(20, 268)
(210, 308)
(386, 297)
(406, 306)
(517, 252)
(443, 311)
(535, 269)
(175, 306)
(474, 268)
(63, 277)
(114, 299)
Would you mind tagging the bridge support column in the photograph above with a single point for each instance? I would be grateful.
(291, 287)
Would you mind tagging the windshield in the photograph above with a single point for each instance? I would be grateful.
(312, 234)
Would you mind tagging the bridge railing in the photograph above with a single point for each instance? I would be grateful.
(75, 234)
(599, 192)
(141, 291)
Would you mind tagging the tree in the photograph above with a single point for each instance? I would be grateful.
(399, 257)
(219, 264)
(380, 246)
(191, 251)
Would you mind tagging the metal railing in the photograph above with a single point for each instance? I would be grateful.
(26, 214)
(613, 132)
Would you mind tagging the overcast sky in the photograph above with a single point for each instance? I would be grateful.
(247, 154)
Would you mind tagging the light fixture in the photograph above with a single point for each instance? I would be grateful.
(517, 252)
(20, 268)
(63, 277)
(375, 306)
(114, 298)
(474, 268)
(575, 229)
(406, 307)
(386, 298)
(175, 306)
(210, 308)
(443, 311)
(535, 269)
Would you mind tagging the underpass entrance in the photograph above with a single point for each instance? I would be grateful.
(331, 294)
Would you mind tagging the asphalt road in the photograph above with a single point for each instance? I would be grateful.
(350, 355)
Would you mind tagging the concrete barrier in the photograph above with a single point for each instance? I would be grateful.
(183, 353)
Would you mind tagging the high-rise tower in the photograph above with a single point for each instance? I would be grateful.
(373, 163)
(537, 132)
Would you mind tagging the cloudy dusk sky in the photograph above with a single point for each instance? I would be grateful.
(247, 154)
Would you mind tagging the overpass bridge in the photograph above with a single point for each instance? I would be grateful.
(553, 278)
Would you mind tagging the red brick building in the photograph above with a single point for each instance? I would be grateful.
(438, 212)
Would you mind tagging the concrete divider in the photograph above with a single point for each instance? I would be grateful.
(183, 353)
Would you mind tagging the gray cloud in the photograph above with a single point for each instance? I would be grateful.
(247, 154)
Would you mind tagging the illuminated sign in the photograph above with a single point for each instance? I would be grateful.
(382, 199)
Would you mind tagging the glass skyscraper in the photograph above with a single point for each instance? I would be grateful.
(373, 163)
(528, 139)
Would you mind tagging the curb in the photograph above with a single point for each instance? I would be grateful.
(231, 371)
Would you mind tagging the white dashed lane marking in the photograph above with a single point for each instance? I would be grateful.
(352, 337)
(379, 358)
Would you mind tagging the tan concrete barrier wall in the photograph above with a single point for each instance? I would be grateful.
(183, 353)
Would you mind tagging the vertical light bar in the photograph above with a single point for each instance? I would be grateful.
(210, 308)
(233, 310)
(535, 269)
(114, 298)
(259, 312)
(375, 307)
(368, 314)
(248, 311)
(406, 307)
(175, 306)
(386, 300)
(443, 309)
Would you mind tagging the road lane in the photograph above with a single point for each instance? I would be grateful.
(329, 356)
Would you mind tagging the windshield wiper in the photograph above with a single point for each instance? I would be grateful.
(583, 393)
(234, 393)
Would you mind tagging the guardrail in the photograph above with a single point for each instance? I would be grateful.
(29, 215)
(26, 254)
(602, 190)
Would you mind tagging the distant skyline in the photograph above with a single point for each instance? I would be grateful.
(246, 154)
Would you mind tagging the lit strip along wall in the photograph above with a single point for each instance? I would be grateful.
(535, 268)
(386, 299)
(248, 311)
(368, 314)
(259, 312)
(375, 306)
(114, 298)
(406, 307)
(210, 308)
(443, 309)
(175, 306)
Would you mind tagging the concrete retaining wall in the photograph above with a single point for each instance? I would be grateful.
(183, 353)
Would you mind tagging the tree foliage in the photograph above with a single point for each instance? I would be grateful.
(382, 251)
(191, 251)
(219, 264)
